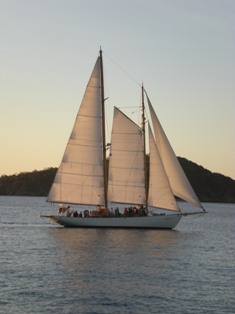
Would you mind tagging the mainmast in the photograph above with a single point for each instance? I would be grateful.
(144, 151)
(103, 131)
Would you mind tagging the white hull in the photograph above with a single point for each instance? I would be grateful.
(151, 222)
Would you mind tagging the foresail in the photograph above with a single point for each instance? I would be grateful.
(126, 165)
(177, 178)
(160, 193)
(79, 178)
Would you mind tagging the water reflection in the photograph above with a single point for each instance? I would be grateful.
(85, 247)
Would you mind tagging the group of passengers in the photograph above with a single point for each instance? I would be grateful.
(139, 210)
(65, 211)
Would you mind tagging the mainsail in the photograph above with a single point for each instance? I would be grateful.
(126, 166)
(79, 179)
(177, 178)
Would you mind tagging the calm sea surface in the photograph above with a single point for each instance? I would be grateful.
(45, 268)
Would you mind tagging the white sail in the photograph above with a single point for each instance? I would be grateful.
(160, 193)
(79, 179)
(126, 166)
(177, 178)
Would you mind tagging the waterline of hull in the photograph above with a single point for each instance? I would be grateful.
(145, 222)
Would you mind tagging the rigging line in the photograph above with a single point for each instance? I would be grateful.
(129, 107)
(124, 71)
(194, 213)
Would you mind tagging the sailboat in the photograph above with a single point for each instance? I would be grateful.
(85, 177)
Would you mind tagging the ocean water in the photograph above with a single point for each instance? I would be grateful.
(45, 268)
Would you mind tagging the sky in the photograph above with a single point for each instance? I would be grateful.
(181, 50)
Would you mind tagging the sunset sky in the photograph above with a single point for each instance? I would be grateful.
(182, 50)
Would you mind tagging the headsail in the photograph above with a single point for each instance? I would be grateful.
(126, 166)
(177, 178)
(160, 193)
(79, 179)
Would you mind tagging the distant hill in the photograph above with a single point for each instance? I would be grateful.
(36, 183)
(210, 187)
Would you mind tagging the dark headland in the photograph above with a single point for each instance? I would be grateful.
(209, 186)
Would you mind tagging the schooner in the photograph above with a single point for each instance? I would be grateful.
(86, 179)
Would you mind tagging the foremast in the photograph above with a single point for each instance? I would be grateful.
(103, 132)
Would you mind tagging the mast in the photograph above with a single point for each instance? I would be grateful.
(103, 131)
(144, 151)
